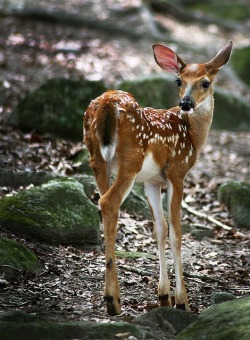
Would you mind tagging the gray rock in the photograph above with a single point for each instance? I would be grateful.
(229, 320)
(236, 196)
(166, 322)
(57, 107)
(55, 212)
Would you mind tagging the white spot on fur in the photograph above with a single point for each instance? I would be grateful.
(193, 67)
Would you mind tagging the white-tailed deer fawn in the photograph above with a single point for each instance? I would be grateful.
(154, 146)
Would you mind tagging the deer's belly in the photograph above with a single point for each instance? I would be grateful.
(149, 170)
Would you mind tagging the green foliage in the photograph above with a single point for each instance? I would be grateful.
(224, 9)
(241, 63)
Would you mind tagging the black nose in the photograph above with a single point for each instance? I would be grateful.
(186, 104)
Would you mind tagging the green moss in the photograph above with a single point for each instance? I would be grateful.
(229, 320)
(57, 107)
(14, 256)
(134, 255)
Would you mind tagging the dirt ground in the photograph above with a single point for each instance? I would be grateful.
(70, 285)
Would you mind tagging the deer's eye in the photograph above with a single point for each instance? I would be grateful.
(178, 82)
(205, 84)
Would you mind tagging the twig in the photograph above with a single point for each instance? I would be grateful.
(202, 277)
(205, 216)
(136, 270)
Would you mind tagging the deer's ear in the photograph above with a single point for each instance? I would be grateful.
(221, 58)
(167, 59)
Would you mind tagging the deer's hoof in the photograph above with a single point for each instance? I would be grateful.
(183, 306)
(164, 300)
(113, 307)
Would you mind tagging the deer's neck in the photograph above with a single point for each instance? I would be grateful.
(200, 122)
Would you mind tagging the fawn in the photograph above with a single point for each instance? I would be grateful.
(154, 146)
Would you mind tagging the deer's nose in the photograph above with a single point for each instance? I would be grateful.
(186, 104)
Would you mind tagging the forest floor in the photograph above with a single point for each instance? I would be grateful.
(70, 285)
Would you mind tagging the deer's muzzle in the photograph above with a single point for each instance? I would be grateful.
(186, 104)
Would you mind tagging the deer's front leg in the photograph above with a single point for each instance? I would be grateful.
(175, 192)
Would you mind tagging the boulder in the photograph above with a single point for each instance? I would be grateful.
(15, 257)
(57, 107)
(228, 320)
(230, 112)
(158, 91)
(236, 196)
(57, 212)
(166, 322)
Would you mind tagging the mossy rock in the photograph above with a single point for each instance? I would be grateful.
(136, 203)
(236, 196)
(57, 212)
(57, 107)
(16, 179)
(219, 297)
(18, 325)
(241, 63)
(229, 320)
(230, 112)
(16, 257)
(158, 91)
(81, 159)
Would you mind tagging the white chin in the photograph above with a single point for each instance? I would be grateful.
(188, 112)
